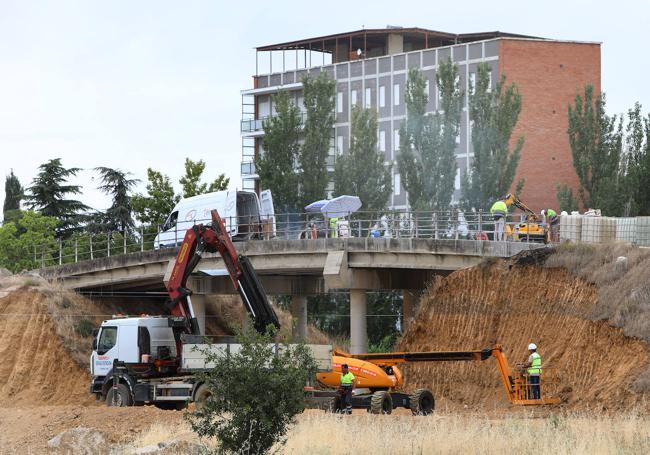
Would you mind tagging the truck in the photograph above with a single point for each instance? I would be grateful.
(155, 359)
(246, 215)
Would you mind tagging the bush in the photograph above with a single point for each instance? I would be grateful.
(258, 394)
(84, 328)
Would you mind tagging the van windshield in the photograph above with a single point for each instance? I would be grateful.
(171, 221)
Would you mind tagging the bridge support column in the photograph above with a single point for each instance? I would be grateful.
(358, 326)
(198, 305)
(409, 300)
(299, 316)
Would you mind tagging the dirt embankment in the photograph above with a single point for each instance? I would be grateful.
(514, 303)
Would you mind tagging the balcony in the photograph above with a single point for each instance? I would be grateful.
(253, 126)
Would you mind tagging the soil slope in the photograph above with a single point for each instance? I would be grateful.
(513, 305)
(36, 368)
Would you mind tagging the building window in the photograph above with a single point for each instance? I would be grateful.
(382, 96)
(339, 144)
(368, 100)
(457, 179)
(396, 140)
(458, 137)
(489, 87)
(397, 184)
(396, 95)
(472, 83)
(426, 88)
(382, 140)
(301, 104)
(339, 102)
(353, 97)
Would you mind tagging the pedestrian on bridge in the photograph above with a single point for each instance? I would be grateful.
(499, 212)
(551, 221)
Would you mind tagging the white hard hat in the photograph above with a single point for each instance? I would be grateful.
(532, 346)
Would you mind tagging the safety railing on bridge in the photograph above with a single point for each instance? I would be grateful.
(450, 225)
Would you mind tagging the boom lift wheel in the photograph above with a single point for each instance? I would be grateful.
(171, 405)
(120, 398)
(202, 396)
(422, 402)
(381, 402)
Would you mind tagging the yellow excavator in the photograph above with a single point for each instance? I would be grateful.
(531, 229)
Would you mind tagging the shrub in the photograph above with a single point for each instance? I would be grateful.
(258, 394)
(84, 328)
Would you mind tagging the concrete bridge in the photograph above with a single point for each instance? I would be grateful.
(299, 268)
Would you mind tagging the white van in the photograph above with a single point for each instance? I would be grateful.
(244, 215)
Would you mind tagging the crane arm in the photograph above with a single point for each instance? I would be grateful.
(215, 238)
(512, 200)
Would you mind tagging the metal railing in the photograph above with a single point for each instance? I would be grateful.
(440, 225)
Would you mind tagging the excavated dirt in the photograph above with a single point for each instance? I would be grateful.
(514, 303)
(36, 368)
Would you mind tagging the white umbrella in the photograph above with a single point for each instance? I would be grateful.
(341, 206)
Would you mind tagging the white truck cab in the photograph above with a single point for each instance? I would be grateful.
(129, 339)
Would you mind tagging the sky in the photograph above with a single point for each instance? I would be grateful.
(137, 84)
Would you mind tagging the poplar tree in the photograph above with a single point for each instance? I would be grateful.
(637, 163)
(319, 99)
(191, 181)
(426, 160)
(596, 141)
(14, 193)
(362, 172)
(276, 166)
(494, 113)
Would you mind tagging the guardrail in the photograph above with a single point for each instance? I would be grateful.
(452, 225)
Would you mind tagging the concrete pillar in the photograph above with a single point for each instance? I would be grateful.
(299, 316)
(198, 305)
(409, 300)
(358, 326)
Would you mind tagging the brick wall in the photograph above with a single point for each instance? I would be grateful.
(548, 75)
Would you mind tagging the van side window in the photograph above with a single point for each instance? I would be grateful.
(107, 340)
(171, 221)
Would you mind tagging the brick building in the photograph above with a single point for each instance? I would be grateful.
(370, 68)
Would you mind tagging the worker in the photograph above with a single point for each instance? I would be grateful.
(552, 221)
(534, 369)
(348, 381)
(333, 227)
(499, 212)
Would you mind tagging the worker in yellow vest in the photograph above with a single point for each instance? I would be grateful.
(334, 227)
(499, 212)
(348, 382)
(534, 369)
(552, 221)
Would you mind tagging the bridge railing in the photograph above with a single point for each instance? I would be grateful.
(451, 224)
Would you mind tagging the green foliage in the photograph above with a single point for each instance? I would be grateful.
(362, 172)
(386, 344)
(28, 242)
(154, 207)
(14, 193)
(596, 141)
(48, 195)
(191, 181)
(115, 183)
(276, 166)
(257, 394)
(319, 99)
(495, 114)
(566, 198)
(428, 141)
(636, 162)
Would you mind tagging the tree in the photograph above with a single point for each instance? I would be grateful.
(566, 198)
(116, 184)
(319, 102)
(258, 394)
(362, 171)
(636, 163)
(494, 114)
(28, 242)
(154, 207)
(191, 181)
(277, 165)
(14, 193)
(596, 141)
(48, 195)
(427, 159)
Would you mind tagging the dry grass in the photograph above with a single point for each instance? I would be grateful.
(623, 287)
(452, 434)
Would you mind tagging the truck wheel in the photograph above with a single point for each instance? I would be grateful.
(171, 405)
(201, 396)
(422, 402)
(121, 398)
(381, 403)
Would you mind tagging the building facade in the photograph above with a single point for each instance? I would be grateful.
(370, 68)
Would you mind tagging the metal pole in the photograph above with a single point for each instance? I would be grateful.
(76, 251)
(43, 256)
(141, 238)
(60, 251)
(124, 236)
(108, 244)
(90, 238)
